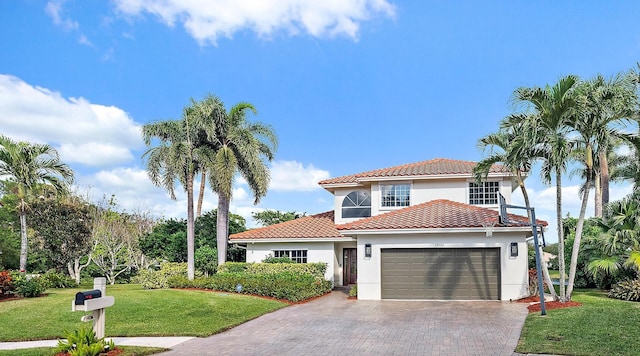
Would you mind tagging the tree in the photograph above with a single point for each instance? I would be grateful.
(64, 228)
(28, 165)
(505, 147)
(546, 128)
(9, 232)
(239, 146)
(603, 107)
(177, 157)
(271, 217)
(165, 241)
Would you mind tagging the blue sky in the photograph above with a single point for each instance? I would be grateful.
(347, 85)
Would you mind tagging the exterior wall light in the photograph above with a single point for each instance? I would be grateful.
(367, 250)
(514, 249)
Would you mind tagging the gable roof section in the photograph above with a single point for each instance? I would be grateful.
(434, 167)
(435, 214)
(313, 226)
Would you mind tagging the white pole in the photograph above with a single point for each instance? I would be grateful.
(99, 314)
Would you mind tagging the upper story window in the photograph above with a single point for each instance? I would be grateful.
(396, 195)
(485, 193)
(356, 205)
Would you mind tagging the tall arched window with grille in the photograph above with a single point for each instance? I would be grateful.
(356, 205)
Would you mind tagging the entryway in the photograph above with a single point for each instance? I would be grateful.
(350, 266)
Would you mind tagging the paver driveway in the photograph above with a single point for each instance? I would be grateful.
(333, 325)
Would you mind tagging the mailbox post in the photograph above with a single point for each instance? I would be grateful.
(96, 301)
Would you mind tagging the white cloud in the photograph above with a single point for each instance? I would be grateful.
(85, 133)
(294, 176)
(54, 10)
(83, 40)
(208, 21)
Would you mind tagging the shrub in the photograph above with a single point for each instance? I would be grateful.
(54, 279)
(626, 290)
(6, 284)
(83, 342)
(271, 259)
(28, 286)
(353, 292)
(317, 269)
(284, 285)
(160, 279)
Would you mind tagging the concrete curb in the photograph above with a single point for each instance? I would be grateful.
(165, 342)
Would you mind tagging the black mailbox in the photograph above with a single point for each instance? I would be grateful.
(90, 294)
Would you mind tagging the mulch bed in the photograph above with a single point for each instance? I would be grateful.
(535, 304)
(114, 352)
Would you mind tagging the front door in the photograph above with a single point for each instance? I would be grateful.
(350, 266)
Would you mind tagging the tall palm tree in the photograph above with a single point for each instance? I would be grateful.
(603, 110)
(239, 146)
(546, 129)
(506, 148)
(177, 157)
(29, 165)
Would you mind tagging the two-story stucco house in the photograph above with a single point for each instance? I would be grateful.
(423, 230)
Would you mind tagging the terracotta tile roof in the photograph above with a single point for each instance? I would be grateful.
(313, 226)
(435, 214)
(438, 166)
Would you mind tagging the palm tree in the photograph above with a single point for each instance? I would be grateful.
(619, 246)
(603, 111)
(507, 148)
(177, 157)
(546, 129)
(29, 165)
(239, 146)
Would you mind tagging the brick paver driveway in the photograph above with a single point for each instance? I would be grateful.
(333, 325)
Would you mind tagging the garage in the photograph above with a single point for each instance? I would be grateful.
(441, 273)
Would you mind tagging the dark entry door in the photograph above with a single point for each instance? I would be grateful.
(350, 266)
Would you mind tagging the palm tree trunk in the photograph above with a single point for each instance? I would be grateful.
(561, 266)
(545, 269)
(190, 230)
(576, 241)
(604, 176)
(598, 202)
(222, 230)
(203, 179)
(23, 241)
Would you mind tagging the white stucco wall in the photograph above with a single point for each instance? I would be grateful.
(316, 252)
(514, 276)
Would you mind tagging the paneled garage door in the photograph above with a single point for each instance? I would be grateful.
(441, 273)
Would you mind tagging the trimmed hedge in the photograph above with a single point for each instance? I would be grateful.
(285, 285)
(317, 269)
(151, 279)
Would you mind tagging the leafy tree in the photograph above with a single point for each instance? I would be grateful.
(166, 241)
(271, 217)
(207, 260)
(28, 165)
(9, 233)
(63, 227)
(239, 146)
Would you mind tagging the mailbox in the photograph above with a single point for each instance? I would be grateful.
(81, 297)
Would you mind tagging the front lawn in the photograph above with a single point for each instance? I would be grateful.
(136, 312)
(601, 326)
(47, 351)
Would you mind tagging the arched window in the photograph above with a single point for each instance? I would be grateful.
(356, 205)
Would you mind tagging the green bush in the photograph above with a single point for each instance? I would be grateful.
(353, 292)
(284, 285)
(160, 279)
(28, 286)
(271, 259)
(54, 279)
(83, 342)
(317, 269)
(626, 290)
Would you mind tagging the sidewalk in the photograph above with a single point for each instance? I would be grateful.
(165, 342)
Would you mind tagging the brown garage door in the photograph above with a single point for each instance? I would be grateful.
(441, 273)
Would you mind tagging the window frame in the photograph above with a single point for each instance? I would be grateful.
(356, 206)
(301, 256)
(480, 195)
(397, 201)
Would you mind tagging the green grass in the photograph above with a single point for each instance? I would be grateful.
(554, 273)
(46, 351)
(601, 326)
(136, 312)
